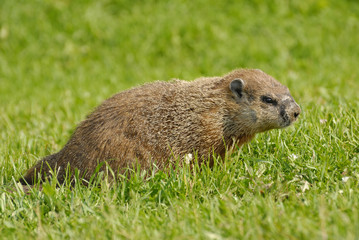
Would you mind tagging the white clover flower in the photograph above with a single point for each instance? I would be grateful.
(293, 156)
(345, 179)
(322, 121)
(306, 186)
(188, 158)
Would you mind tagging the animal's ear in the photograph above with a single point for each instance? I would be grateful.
(236, 87)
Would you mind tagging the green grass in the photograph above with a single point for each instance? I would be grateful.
(61, 58)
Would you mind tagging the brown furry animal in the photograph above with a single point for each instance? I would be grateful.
(160, 121)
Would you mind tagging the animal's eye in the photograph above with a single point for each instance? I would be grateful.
(268, 99)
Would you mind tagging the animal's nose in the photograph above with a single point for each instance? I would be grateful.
(296, 111)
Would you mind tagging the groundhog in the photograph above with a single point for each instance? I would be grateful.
(159, 122)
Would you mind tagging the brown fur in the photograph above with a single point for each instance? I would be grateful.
(160, 121)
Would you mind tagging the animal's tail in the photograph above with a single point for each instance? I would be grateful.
(40, 170)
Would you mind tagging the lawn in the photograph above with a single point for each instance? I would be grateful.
(60, 58)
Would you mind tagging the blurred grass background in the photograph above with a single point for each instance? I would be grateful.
(61, 58)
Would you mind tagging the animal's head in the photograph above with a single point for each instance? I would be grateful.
(261, 100)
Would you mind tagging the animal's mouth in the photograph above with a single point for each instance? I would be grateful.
(285, 119)
(286, 124)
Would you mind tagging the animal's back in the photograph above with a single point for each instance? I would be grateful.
(152, 124)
